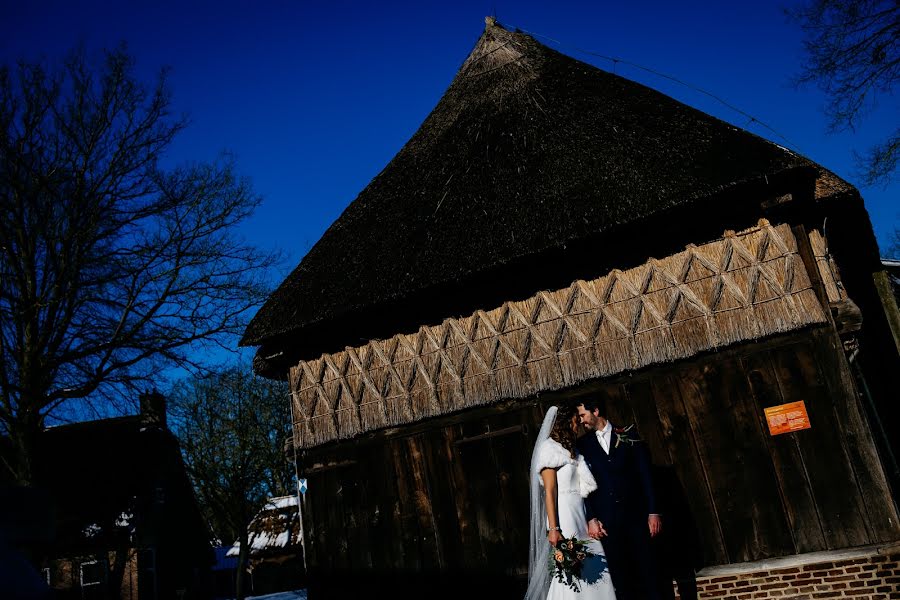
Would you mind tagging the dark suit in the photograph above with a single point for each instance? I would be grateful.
(622, 502)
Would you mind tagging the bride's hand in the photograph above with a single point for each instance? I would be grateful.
(554, 536)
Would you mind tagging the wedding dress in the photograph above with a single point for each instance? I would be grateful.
(574, 483)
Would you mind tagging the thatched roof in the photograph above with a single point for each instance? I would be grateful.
(528, 151)
(742, 287)
(275, 529)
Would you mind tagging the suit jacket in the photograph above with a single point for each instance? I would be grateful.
(624, 479)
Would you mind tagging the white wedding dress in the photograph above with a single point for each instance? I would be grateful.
(574, 482)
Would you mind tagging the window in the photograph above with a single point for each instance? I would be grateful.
(93, 573)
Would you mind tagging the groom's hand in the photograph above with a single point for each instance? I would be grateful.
(655, 524)
(596, 529)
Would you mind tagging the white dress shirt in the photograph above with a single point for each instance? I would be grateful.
(604, 436)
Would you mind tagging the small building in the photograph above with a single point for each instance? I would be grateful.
(224, 574)
(124, 517)
(276, 548)
(553, 231)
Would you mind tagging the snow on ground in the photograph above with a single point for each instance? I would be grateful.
(295, 595)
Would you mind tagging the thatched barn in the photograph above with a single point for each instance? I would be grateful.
(554, 231)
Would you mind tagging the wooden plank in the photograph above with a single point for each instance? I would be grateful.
(475, 428)
(386, 528)
(332, 537)
(833, 482)
(310, 526)
(790, 470)
(464, 501)
(879, 508)
(406, 518)
(680, 547)
(738, 465)
(643, 405)
(679, 439)
(511, 454)
(477, 474)
(355, 482)
(618, 404)
(438, 464)
(504, 431)
(885, 293)
(480, 473)
(316, 519)
(417, 448)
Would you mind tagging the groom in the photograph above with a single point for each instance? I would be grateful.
(622, 510)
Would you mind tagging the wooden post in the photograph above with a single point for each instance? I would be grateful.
(300, 501)
(889, 304)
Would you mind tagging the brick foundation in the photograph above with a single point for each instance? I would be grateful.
(866, 574)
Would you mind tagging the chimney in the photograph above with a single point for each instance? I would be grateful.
(153, 408)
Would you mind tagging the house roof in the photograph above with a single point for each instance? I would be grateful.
(527, 151)
(275, 527)
(104, 476)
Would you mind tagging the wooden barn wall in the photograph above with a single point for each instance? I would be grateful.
(454, 499)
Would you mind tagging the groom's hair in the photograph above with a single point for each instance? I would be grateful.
(595, 403)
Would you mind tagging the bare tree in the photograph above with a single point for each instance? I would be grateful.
(853, 54)
(893, 251)
(232, 427)
(111, 266)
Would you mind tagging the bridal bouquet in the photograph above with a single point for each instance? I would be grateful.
(567, 560)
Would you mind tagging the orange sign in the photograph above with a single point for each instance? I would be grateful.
(786, 418)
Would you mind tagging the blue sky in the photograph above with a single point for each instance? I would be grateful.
(314, 98)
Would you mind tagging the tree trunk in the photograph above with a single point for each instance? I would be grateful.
(24, 436)
(243, 556)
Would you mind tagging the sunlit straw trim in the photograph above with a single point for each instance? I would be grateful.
(741, 287)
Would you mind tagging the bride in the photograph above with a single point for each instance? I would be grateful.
(560, 480)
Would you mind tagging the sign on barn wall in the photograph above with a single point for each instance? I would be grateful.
(786, 418)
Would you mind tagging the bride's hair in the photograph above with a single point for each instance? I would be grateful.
(562, 430)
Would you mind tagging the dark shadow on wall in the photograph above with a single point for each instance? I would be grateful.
(678, 551)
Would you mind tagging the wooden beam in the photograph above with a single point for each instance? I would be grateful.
(889, 304)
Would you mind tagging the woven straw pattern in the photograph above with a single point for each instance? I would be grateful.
(828, 271)
(744, 286)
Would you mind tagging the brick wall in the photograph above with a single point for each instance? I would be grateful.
(872, 577)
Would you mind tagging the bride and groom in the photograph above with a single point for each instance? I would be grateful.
(596, 488)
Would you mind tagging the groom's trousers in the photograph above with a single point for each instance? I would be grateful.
(632, 565)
